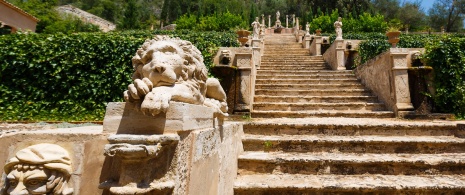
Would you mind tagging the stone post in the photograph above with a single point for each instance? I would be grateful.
(246, 69)
(256, 52)
(318, 40)
(269, 21)
(400, 81)
(443, 30)
(307, 41)
(297, 31)
(287, 21)
(340, 54)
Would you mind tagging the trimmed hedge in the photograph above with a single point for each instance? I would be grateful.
(71, 77)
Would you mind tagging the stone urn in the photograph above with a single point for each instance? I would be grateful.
(393, 38)
(243, 36)
(318, 32)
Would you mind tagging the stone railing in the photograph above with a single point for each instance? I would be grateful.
(387, 76)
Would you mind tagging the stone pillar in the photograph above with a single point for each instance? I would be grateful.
(244, 96)
(443, 30)
(340, 54)
(318, 40)
(256, 52)
(287, 21)
(269, 21)
(400, 81)
(297, 31)
(293, 19)
(307, 41)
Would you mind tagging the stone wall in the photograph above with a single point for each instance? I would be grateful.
(103, 24)
(376, 76)
(386, 75)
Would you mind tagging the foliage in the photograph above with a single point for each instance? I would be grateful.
(70, 25)
(447, 57)
(72, 77)
(363, 23)
(218, 22)
(448, 14)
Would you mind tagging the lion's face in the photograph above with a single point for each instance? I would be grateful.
(166, 65)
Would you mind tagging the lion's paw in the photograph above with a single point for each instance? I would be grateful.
(138, 90)
(155, 103)
(221, 108)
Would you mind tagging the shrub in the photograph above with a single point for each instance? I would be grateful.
(217, 22)
(447, 57)
(72, 77)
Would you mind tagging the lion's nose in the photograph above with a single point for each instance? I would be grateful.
(159, 68)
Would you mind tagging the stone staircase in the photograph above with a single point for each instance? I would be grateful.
(338, 155)
(291, 83)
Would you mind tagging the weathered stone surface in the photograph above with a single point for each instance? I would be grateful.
(125, 118)
(83, 144)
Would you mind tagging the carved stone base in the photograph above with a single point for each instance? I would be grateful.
(124, 118)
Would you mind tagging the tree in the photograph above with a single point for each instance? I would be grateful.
(449, 13)
(388, 8)
(131, 16)
(412, 14)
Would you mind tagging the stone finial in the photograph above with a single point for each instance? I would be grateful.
(169, 69)
(338, 28)
(256, 28)
(48, 165)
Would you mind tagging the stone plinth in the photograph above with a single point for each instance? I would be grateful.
(124, 118)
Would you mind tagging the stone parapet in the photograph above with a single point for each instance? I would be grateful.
(386, 75)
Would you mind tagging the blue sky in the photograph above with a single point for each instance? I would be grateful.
(425, 4)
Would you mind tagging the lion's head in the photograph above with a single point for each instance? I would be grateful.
(167, 61)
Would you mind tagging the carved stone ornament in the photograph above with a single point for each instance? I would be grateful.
(170, 69)
(39, 169)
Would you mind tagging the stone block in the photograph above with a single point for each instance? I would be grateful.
(124, 118)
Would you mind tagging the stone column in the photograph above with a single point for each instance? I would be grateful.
(297, 31)
(307, 41)
(287, 21)
(340, 54)
(256, 54)
(293, 19)
(400, 81)
(269, 21)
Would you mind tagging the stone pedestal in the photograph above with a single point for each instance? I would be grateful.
(256, 52)
(400, 81)
(340, 54)
(180, 152)
(244, 96)
(307, 41)
(125, 118)
(315, 48)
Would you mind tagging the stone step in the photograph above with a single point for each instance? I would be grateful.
(302, 72)
(298, 184)
(281, 106)
(350, 163)
(308, 81)
(292, 64)
(294, 58)
(305, 114)
(307, 86)
(316, 92)
(297, 67)
(354, 144)
(314, 99)
(351, 127)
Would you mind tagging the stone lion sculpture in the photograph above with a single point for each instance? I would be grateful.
(38, 169)
(168, 69)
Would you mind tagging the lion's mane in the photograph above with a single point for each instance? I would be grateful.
(196, 81)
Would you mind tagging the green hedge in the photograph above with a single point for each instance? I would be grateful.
(447, 57)
(72, 77)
